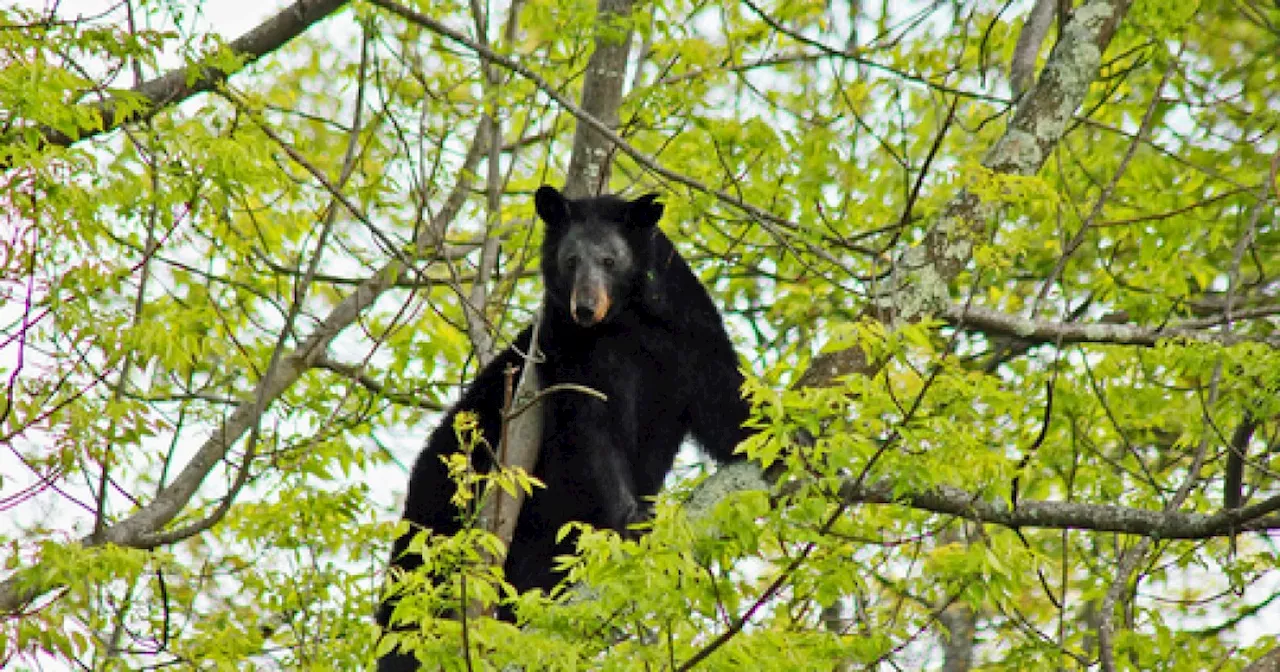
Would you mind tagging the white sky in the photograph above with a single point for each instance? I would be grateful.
(231, 18)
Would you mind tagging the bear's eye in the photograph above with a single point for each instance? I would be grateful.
(607, 262)
(571, 261)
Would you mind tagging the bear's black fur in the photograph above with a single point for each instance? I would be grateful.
(625, 315)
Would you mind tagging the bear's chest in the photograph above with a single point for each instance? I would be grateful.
(645, 373)
(619, 354)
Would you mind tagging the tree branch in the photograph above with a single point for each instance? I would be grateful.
(585, 115)
(356, 374)
(588, 173)
(1047, 331)
(591, 159)
(919, 282)
(1022, 65)
(143, 528)
(178, 85)
(952, 501)
(1269, 662)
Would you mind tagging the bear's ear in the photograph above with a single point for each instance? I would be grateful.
(644, 212)
(551, 205)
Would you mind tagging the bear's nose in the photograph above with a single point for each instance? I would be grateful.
(584, 314)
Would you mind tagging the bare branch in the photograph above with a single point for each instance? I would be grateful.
(1048, 331)
(1144, 131)
(958, 619)
(1147, 523)
(178, 85)
(1132, 557)
(1233, 480)
(1269, 662)
(356, 373)
(142, 529)
(919, 281)
(1022, 66)
(584, 114)
(591, 160)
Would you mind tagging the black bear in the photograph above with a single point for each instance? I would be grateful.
(625, 315)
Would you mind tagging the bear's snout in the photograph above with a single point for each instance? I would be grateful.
(589, 305)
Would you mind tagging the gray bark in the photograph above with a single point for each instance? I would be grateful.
(918, 284)
(1022, 66)
(591, 159)
(1270, 662)
(1259, 517)
(178, 85)
(588, 174)
(957, 641)
(143, 528)
(1047, 331)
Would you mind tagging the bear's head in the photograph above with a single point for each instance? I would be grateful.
(596, 252)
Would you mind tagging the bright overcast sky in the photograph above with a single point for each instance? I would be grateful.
(230, 18)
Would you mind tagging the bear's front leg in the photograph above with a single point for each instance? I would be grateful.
(586, 469)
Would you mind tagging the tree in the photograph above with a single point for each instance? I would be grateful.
(1014, 356)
